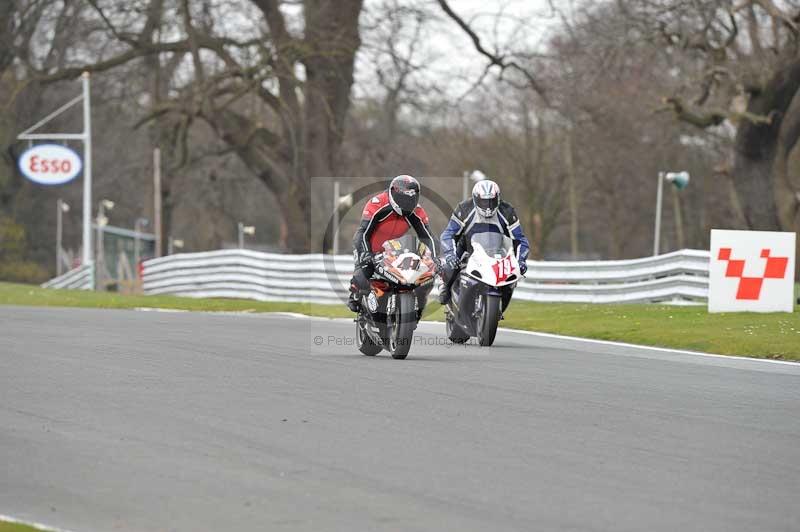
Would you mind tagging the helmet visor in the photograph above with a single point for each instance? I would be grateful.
(487, 205)
(406, 200)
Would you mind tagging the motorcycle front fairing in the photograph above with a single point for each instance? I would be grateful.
(492, 260)
(404, 265)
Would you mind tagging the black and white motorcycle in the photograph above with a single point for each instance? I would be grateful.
(486, 275)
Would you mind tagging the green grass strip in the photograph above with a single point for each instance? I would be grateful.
(28, 295)
(6, 526)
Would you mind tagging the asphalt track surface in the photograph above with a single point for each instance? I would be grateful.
(123, 420)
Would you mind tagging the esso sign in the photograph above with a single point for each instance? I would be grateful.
(751, 271)
(50, 164)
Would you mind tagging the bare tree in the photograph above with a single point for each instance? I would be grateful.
(299, 79)
(512, 65)
(742, 72)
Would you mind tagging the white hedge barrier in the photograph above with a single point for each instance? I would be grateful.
(80, 278)
(678, 277)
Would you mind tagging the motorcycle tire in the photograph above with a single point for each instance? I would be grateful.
(488, 319)
(365, 343)
(403, 325)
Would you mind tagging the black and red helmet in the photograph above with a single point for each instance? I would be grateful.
(404, 194)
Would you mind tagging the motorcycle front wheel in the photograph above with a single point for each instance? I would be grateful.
(487, 319)
(402, 325)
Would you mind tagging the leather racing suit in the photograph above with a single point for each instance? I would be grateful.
(380, 222)
(465, 222)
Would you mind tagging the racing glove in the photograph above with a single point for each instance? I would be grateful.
(450, 261)
(365, 259)
(523, 267)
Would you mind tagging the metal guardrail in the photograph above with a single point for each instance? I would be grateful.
(678, 277)
(250, 275)
(80, 278)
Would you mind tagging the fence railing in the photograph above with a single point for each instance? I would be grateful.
(250, 275)
(681, 276)
(80, 278)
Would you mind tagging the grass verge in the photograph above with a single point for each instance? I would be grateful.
(27, 295)
(774, 336)
(6, 526)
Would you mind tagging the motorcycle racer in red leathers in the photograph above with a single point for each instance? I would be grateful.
(386, 216)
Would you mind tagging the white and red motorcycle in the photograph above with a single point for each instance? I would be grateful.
(404, 272)
(491, 271)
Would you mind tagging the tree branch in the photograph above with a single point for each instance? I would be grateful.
(712, 117)
(123, 37)
(121, 59)
(286, 51)
(192, 40)
(215, 44)
(773, 11)
(495, 59)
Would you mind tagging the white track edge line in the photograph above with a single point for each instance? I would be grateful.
(595, 341)
(157, 309)
(222, 312)
(645, 347)
(32, 524)
(297, 315)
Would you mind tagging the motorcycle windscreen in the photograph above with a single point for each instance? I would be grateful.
(405, 244)
(494, 244)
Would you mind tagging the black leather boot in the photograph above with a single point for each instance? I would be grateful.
(353, 303)
(444, 295)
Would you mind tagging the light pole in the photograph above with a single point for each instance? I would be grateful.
(157, 199)
(680, 180)
(245, 230)
(474, 175)
(101, 221)
(335, 217)
(338, 202)
(137, 241)
(87, 169)
(173, 243)
(61, 209)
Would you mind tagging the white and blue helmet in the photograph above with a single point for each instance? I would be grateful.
(486, 197)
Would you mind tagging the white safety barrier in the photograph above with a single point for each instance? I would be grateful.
(250, 275)
(80, 278)
(677, 277)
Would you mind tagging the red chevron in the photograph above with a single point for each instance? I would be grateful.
(750, 287)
